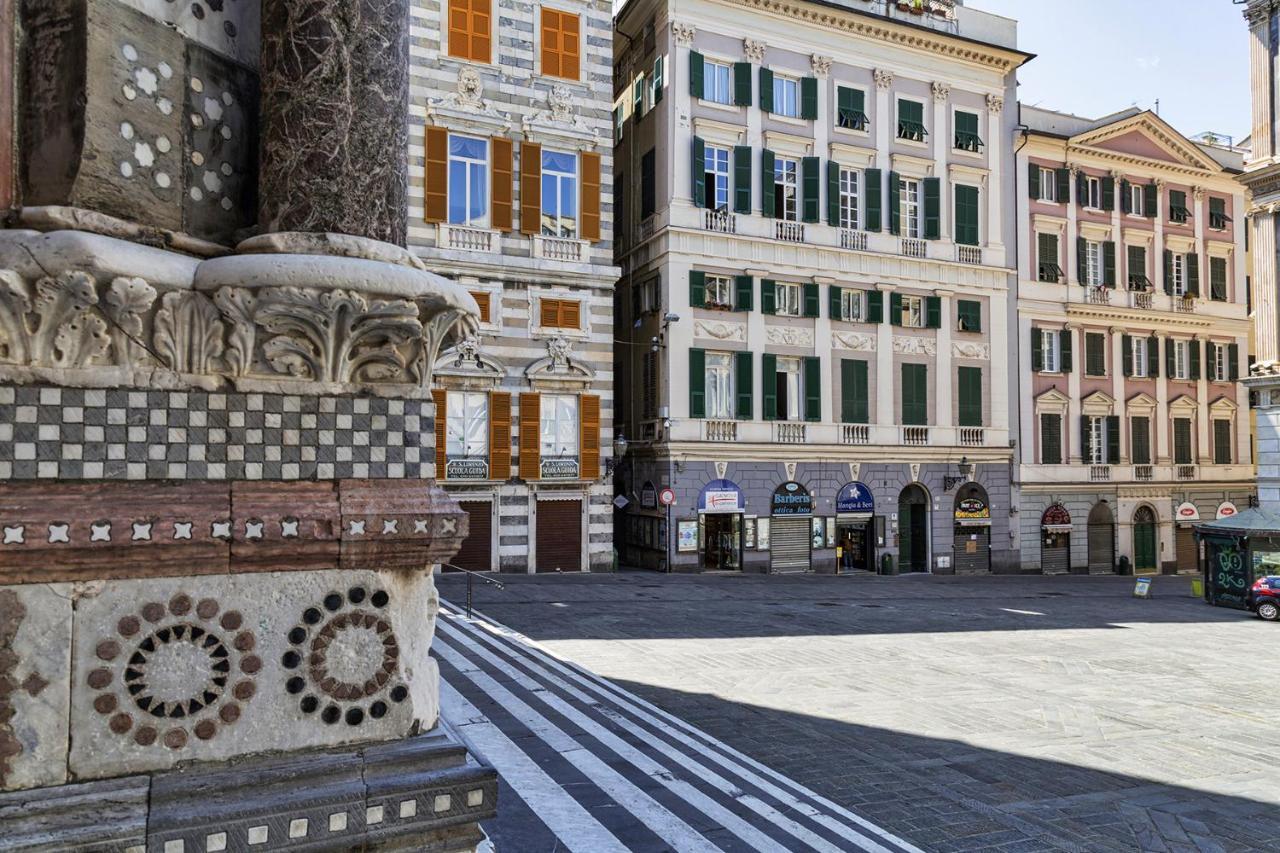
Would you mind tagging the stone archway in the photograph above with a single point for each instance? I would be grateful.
(1102, 539)
(913, 529)
(1145, 539)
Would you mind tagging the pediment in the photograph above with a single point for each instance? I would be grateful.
(1141, 401)
(466, 363)
(1146, 136)
(1098, 398)
(1052, 397)
(1223, 404)
(1183, 403)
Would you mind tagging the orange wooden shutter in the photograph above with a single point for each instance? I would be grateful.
(570, 314)
(549, 313)
(482, 299)
(530, 188)
(442, 418)
(570, 46)
(437, 183)
(590, 435)
(499, 435)
(530, 436)
(590, 196)
(550, 42)
(481, 42)
(501, 184)
(460, 28)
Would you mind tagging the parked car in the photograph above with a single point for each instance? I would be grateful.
(1264, 598)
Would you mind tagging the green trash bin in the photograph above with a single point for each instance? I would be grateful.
(886, 565)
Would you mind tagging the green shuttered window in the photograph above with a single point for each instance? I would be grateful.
(966, 214)
(697, 383)
(851, 108)
(915, 395)
(875, 194)
(1051, 439)
(742, 179)
(854, 394)
(968, 315)
(810, 172)
(744, 382)
(969, 385)
(1221, 442)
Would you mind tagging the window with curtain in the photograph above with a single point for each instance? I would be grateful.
(910, 209)
(786, 96)
(717, 82)
(559, 426)
(719, 389)
(717, 181)
(559, 194)
(467, 425)
(786, 195)
(468, 181)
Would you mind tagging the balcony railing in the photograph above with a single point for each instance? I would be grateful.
(558, 248)
(1184, 304)
(784, 433)
(972, 436)
(1144, 473)
(1099, 473)
(1141, 298)
(1097, 295)
(720, 430)
(914, 248)
(969, 254)
(789, 232)
(855, 434)
(1184, 472)
(647, 226)
(915, 436)
(467, 238)
(720, 220)
(850, 239)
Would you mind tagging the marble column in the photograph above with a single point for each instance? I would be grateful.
(1264, 290)
(1260, 79)
(335, 86)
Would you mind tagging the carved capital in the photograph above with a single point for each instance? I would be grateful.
(995, 103)
(1160, 183)
(683, 33)
(753, 50)
(884, 79)
(821, 65)
(1198, 193)
(941, 91)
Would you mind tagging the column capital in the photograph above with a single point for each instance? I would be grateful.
(884, 79)
(941, 91)
(821, 65)
(995, 103)
(753, 49)
(683, 33)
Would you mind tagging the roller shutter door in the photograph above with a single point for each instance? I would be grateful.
(971, 556)
(1185, 544)
(476, 553)
(789, 543)
(1102, 551)
(1055, 560)
(559, 532)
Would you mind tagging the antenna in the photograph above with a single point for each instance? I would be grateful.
(1157, 106)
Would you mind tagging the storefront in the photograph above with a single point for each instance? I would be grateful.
(791, 529)
(1185, 549)
(1101, 533)
(1055, 540)
(971, 543)
(719, 526)
(1238, 549)
(855, 528)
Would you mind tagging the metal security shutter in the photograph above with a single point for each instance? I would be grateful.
(477, 549)
(1185, 550)
(559, 532)
(789, 543)
(1055, 560)
(1102, 550)
(977, 560)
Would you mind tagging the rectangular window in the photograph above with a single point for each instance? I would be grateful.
(1179, 269)
(915, 395)
(969, 386)
(967, 138)
(648, 184)
(1220, 371)
(1137, 200)
(717, 178)
(719, 373)
(849, 198)
(467, 425)
(1095, 354)
(910, 208)
(1221, 442)
(650, 402)
(1140, 440)
(789, 299)
(719, 292)
(1137, 257)
(1048, 184)
(1181, 359)
(469, 30)
(1178, 211)
(968, 315)
(559, 313)
(1218, 218)
(789, 384)
(1182, 441)
(1141, 356)
(717, 82)
(1093, 193)
(1049, 346)
(786, 96)
(911, 120)
(559, 427)
(484, 300)
(1050, 439)
(468, 181)
(913, 312)
(561, 44)
(1093, 269)
(966, 198)
(1097, 449)
(786, 189)
(1218, 279)
(853, 306)
(850, 108)
(1047, 257)
(559, 194)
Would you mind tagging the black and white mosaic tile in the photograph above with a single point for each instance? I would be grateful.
(74, 433)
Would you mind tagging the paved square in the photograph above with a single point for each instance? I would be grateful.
(1011, 713)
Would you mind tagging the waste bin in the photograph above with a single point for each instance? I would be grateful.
(886, 565)
(1124, 567)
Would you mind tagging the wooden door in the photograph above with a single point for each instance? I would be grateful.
(476, 553)
(559, 534)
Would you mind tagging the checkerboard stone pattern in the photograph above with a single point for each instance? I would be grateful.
(51, 433)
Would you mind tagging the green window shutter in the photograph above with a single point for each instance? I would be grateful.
(895, 203)
(1033, 181)
(1182, 441)
(854, 394)
(1113, 439)
(1221, 442)
(1210, 356)
(967, 123)
(1109, 263)
(932, 208)
(1233, 362)
(1153, 357)
(744, 382)
(970, 387)
(1086, 440)
(767, 186)
(1063, 179)
(1082, 259)
(833, 302)
(744, 287)
(844, 99)
(966, 215)
(1149, 201)
(1095, 357)
(809, 98)
(812, 388)
(1064, 338)
(695, 73)
(766, 90)
(742, 178)
(1168, 271)
(874, 179)
(1126, 203)
(1108, 193)
(895, 309)
(875, 306)
(1193, 274)
(1193, 350)
(810, 292)
(768, 296)
(1051, 439)
(742, 84)
(697, 289)
(1082, 189)
(833, 193)
(1037, 351)
(810, 175)
(969, 314)
(698, 167)
(697, 383)
(659, 81)
(1169, 358)
(769, 385)
(933, 312)
(915, 406)
(1218, 279)
(1140, 441)
(1126, 354)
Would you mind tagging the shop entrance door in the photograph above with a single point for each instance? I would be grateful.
(855, 541)
(722, 541)
(1144, 540)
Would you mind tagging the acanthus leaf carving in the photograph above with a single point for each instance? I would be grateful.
(126, 305)
(903, 345)
(188, 332)
(237, 306)
(15, 304)
(70, 333)
(791, 336)
(855, 341)
(969, 349)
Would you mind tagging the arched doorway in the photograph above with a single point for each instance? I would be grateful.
(1144, 540)
(1055, 540)
(971, 540)
(1102, 539)
(913, 529)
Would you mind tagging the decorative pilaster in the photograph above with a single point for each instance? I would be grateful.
(941, 150)
(995, 156)
(1266, 321)
(944, 365)
(884, 120)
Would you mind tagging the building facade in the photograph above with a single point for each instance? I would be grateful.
(510, 194)
(815, 234)
(1133, 331)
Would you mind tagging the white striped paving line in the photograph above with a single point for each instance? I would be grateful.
(532, 657)
(648, 811)
(571, 823)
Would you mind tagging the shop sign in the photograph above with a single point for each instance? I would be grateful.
(855, 498)
(1226, 509)
(466, 469)
(720, 496)
(559, 469)
(792, 499)
(1056, 519)
(1187, 511)
(973, 510)
(648, 497)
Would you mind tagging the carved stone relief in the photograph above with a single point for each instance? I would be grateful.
(903, 345)
(791, 336)
(854, 341)
(968, 349)
(719, 330)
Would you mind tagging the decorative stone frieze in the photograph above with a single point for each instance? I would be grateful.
(905, 345)
(883, 78)
(941, 91)
(855, 341)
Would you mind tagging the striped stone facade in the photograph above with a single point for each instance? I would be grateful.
(511, 99)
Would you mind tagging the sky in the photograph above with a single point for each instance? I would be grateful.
(1094, 57)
